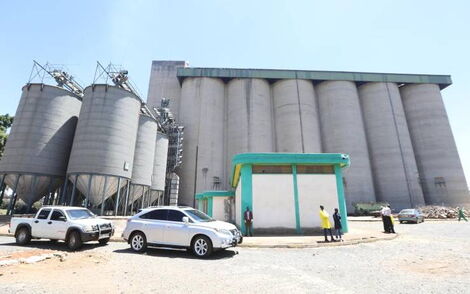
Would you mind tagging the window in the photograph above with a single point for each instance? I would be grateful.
(80, 214)
(440, 182)
(198, 216)
(157, 214)
(44, 214)
(56, 214)
(175, 216)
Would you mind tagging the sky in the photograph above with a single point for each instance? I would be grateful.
(429, 37)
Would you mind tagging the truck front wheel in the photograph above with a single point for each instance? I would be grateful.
(23, 236)
(74, 241)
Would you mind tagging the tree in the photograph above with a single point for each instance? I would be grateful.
(5, 123)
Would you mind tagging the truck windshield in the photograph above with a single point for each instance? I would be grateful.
(198, 216)
(80, 213)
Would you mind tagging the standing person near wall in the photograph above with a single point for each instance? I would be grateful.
(392, 221)
(338, 226)
(325, 223)
(248, 216)
(386, 212)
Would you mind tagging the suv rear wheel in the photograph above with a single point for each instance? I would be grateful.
(202, 246)
(23, 236)
(138, 242)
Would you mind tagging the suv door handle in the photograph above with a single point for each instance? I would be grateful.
(49, 223)
(36, 221)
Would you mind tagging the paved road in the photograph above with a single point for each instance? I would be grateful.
(433, 257)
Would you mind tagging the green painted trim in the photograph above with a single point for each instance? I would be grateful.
(296, 199)
(341, 199)
(275, 74)
(199, 196)
(210, 206)
(287, 159)
(247, 193)
(217, 194)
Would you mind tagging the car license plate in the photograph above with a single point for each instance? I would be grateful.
(105, 235)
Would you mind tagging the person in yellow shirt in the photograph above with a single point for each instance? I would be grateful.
(325, 223)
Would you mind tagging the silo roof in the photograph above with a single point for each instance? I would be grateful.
(277, 74)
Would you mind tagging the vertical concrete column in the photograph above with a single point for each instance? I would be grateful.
(296, 118)
(343, 131)
(202, 114)
(249, 123)
(165, 84)
(393, 162)
(441, 173)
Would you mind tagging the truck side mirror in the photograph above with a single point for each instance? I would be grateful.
(185, 219)
(61, 218)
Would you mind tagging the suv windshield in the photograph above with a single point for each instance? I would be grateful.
(80, 213)
(198, 216)
(406, 211)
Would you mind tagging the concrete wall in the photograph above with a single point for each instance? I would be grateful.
(392, 157)
(441, 172)
(219, 209)
(273, 201)
(165, 84)
(315, 190)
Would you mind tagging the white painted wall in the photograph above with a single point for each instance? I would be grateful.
(273, 201)
(218, 208)
(316, 190)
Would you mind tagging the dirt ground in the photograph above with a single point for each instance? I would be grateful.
(425, 258)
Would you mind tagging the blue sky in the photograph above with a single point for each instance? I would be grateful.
(380, 36)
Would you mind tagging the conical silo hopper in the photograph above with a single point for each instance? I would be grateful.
(104, 144)
(38, 147)
(143, 159)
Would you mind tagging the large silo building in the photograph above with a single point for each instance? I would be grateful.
(393, 126)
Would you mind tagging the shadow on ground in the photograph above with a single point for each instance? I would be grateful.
(179, 253)
(57, 246)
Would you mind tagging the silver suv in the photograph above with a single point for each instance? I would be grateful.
(179, 227)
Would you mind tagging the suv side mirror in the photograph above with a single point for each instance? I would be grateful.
(185, 219)
(61, 218)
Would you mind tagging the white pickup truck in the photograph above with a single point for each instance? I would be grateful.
(74, 225)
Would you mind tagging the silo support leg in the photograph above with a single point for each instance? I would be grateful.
(103, 197)
(11, 207)
(74, 188)
(127, 198)
(117, 197)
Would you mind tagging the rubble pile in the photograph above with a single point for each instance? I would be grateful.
(440, 212)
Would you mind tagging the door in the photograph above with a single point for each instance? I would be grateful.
(154, 225)
(57, 225)
(176, 231)
(39, 225)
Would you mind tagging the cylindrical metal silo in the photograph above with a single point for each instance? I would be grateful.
(296, 117)
(40, 140)
(343, 131)
(393, 162)
(105, 140)
(143, 156)
(249, 117)
(159, 167)
(202, 113)
(441, 173)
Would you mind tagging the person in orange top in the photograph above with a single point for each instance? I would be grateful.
(325, 223)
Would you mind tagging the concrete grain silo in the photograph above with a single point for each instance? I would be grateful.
(143, 158)
(441, 172)
(393, 161)
(249, 117)
(159, 168)
(202, 114)
(104, 144)
(342, 131)
(296, 117)
(38, 147)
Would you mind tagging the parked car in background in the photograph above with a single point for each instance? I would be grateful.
(410, 215)
(74, 225)
(179, 227)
